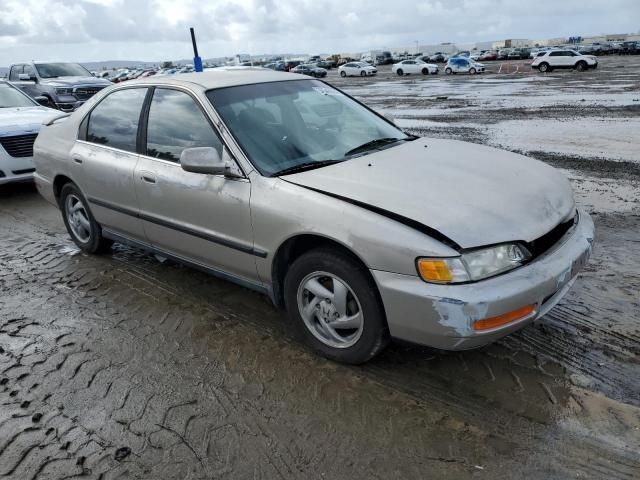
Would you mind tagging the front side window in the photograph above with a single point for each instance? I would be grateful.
(54, 70)
(290, 124)
(28, 69)
(114, 121)
(176, 122)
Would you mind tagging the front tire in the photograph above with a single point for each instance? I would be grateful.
(425, 71)
(334, 307)
(448, 71)
(85, 232)
(544, 67)
(581, 66)
(363, 74)
(472, 71)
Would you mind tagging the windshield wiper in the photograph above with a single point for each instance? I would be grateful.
(305, 166)
(373, 144)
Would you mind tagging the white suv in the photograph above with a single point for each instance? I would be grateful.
(564, 59)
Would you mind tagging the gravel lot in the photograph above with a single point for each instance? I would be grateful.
(122, 366)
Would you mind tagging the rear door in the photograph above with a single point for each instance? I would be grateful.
(104, 159)
(198, 217)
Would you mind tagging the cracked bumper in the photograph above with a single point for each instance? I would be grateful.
(442, 316)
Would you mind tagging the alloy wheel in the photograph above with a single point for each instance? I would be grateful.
(78, 218)
(330, 310)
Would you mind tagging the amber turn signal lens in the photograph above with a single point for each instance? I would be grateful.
(434, 270)
(500, 320)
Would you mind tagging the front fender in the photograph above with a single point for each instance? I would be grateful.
(281, 210)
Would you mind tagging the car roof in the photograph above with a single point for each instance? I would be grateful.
(222, 77)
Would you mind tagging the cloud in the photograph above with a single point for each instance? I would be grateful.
(86, 30)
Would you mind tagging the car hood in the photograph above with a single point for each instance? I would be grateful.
(72, 81)
(23, 120)
(474, 195)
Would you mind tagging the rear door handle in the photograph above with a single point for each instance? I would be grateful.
(77, 160)
(147, 177)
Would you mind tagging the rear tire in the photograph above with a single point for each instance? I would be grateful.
(399, 72)
(324, 286)
(343, 74)
(85, 232)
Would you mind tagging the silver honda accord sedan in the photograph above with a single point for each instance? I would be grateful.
(286, 185)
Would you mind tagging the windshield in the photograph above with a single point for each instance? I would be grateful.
(288, 124)
(11, 97)
(53, 70)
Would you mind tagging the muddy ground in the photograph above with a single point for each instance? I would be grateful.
(120, 366)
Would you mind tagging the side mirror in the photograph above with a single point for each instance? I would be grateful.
(25, 77)
(207, 160)
(42, 100)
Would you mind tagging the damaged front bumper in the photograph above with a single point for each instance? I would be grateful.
(442, 316)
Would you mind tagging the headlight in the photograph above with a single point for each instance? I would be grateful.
(64, 91)
(473, 265)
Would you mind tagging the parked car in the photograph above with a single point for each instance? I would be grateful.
(309, 69)
(289, 64)
(322, 204)
(437, 57)
(488, 56)
(408, 67)
(463, 65)
(119, 77)
(66, 85)
(360, 69)
(503, 53)
(629, 48)
(20, 120)
(564, 59)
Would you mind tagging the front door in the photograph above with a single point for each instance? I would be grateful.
(198, 217)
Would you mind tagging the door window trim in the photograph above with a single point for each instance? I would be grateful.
(144, 119)
(83, 126)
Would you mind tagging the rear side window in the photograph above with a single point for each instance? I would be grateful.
(176, 122)
(15, 71)
(114, 122)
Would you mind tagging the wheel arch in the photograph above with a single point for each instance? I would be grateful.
(295, 246)
(60, 181)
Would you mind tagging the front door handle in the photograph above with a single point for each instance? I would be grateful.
(148, 177)
(77, 160)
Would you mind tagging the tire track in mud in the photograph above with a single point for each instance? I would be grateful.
(236, 368)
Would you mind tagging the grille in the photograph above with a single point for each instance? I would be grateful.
(540, 245)
(19, 145)
(84, 93)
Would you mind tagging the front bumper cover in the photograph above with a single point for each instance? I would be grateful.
(442, 316)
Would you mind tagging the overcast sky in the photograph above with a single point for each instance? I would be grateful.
(154, 30)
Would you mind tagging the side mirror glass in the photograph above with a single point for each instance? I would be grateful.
(25, 77)
(207, 160)
(42, 100)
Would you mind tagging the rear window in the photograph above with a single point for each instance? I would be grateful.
(114, 121)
